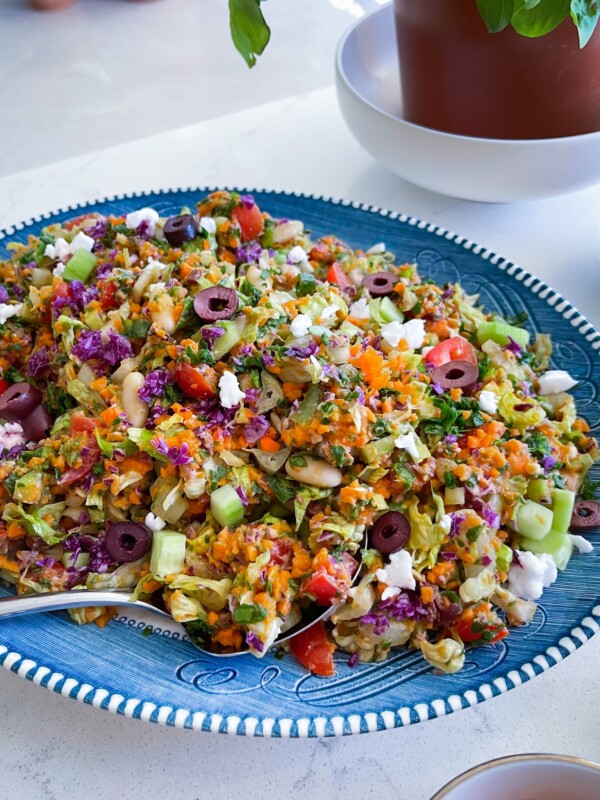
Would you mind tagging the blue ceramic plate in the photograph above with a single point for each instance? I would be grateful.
(163, 678)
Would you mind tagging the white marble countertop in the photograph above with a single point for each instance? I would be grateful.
(54, 748)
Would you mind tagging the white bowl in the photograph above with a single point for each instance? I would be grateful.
(488, 170)
(528, 777)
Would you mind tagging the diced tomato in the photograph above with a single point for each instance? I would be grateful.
(199, 382)
(323, 587)
(335, 274)
(250, 221)
(107, 296)
(3, 386)
(454, 349)
(471, 629)
(80, 423)
(90, 457)
(281, 551)
(59, 289)
(313, 650)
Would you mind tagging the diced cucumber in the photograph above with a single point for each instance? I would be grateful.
(372, 452)
(383, 310)
(226, 506)
(533, 520)
(500, 333)
(563, 501)
(82, 560)
(80, 266)
(168, 553)
(555, 544)
(539, 491)
(454, 496)
(228, 340)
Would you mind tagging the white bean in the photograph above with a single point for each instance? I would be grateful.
(149, 275)
(287, 230)
(135, 408)
(122, 371)
(315, 473)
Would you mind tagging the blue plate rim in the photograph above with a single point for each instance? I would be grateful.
(333, 725)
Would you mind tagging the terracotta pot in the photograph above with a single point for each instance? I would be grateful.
(50, 5)
(458, 77)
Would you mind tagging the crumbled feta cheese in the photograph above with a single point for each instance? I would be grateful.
(446, 523)
(488, 401)
(556, 380)
(329, 311)
(58, 269)
(582, 544)
(297, 254)
(154, 523)
(408, 442)
(397, 574)
(60, 249)
(300, 325)
(229, 390)
(134, 219)
(531, 575)
(7, 310)
(377, 248)
(412, 331)
(209, 225)
(11, 435)
(82, 242)
(360, 309)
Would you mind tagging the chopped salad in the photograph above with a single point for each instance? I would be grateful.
(216, 409)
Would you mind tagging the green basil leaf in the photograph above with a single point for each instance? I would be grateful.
(249, 31)
(249, 614)
(544, 17)
(496, 14)
(585, 15)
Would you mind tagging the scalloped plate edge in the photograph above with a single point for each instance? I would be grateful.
(321, 725)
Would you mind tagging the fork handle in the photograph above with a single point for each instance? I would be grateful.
(78, 598)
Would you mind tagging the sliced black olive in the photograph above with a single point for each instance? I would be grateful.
(380, 284)
(18, 401)
(456, 375)
(586, 515)
(390, 532)
(37, 424)
(181, 229)
(127, 541)
(216, 303)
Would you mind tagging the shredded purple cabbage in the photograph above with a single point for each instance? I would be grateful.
(527, 388)
(492, 517)
(513, 347)
(268, 359)
(548, 463)
(253, 641)
(38, 362)
(16, 290)
(241, 493)
(110, 349)
(447, 293)
(486, 560)
(406, 605)
(247, 200)
(80, 295)
(379, 623)
(103, 270)
(100, 561)
(248, 252)
(353, 660)
(3, 295)
(176, 455)
(256, 429)
(303, 352)
(154, 385)
(455, 525)
(437, 388)
(98, 231)
(210, 335)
